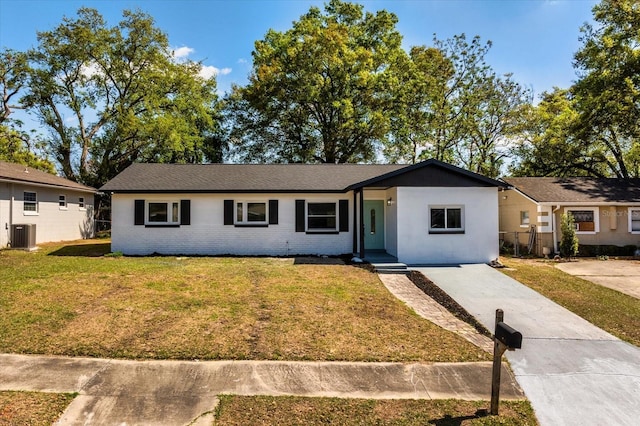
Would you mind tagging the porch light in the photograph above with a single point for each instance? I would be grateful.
(390, 201)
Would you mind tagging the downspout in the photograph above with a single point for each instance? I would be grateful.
(554, 229)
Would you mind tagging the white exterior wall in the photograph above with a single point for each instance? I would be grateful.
(52, 222)
(207, 234)
(478, 243)
(5, 213)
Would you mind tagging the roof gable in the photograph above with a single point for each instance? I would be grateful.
(23, 174)
(577, 189)
(430, 173)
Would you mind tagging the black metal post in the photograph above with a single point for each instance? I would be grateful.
(498, 351)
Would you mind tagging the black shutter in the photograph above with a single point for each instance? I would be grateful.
(228, 212)
(185, 212)
(343, 208)
(138, 212)
(273, 212)
(300, 216)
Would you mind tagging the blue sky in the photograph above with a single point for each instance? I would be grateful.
(533, 39)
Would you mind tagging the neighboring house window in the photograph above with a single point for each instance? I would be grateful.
(62, 202)
(81, 202)
(30, 202)
(585, 220)
(163, 212)
(446, 219)
(524, 218)
(251, 212)
(634, 220)
(321, 217)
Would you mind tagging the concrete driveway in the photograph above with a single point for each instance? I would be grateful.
(620, 275)
(572, 372)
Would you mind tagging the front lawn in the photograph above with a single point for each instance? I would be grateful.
(614, 312)
(32, 408)
(283, 411)
(71, 300)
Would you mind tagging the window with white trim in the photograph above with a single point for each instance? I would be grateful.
(251, 212)
(524, 218)
(446, 219)
(585, 219)
(634, 220)
(322, 217)
(163, 213)
(30, 202)
(81, 203)
(62, 202)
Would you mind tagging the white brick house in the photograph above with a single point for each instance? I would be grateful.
(427, 213)
(60, 209)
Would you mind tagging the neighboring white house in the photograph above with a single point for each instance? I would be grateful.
(60, 209)
(427, 213)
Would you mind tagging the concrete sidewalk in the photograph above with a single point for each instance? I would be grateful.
(184, 392)
(572, 372)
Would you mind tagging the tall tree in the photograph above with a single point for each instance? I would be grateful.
(13, 77)
(453, 107)
(111, 96)
(319, 92)
(550, 142)
(608, 89)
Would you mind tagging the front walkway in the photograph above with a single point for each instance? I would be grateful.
(572, 372)
(185, 392)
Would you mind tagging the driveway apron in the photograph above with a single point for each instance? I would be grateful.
(573, 372)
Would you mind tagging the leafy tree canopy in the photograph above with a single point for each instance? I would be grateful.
(110, 96)
(319, 92)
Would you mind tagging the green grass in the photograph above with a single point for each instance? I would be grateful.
(32, 408)
(70, 299)
(285, 411)
(614, 312)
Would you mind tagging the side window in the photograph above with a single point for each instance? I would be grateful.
(30, 202)
(634, 220)
(81, 203)
(446, 219)
(163, 212)
(251, 212)
(62, 202)
(524, 218)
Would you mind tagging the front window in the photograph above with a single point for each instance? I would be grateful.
(446, 219)
(30, 202)
(321, 217)
(584, 220)
(163, 212)
(62, 202)
(251, 212)
(634, 220)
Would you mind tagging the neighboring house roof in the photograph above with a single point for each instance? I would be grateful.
(228, 178)
(577, 189)
(12, 172)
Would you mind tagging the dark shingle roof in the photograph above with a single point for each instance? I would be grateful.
(19, 173)
(244, 177)
(577, 189)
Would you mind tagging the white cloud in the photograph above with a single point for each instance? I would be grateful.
(208, 71)
(182, 52)
(90, 70)
(242, 61)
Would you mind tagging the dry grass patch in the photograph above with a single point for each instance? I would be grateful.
(32, 408)
(208, 308)
(614, 312)
(285, 411)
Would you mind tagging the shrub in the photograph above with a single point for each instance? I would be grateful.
(569, 242)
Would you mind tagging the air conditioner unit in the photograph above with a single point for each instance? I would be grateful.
(23, 236)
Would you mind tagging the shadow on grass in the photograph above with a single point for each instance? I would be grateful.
(317, 260)
(447, 420)
(83, 250)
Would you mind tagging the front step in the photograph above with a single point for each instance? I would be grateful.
(390, 268)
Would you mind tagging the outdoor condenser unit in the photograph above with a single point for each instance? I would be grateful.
(23, 236)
